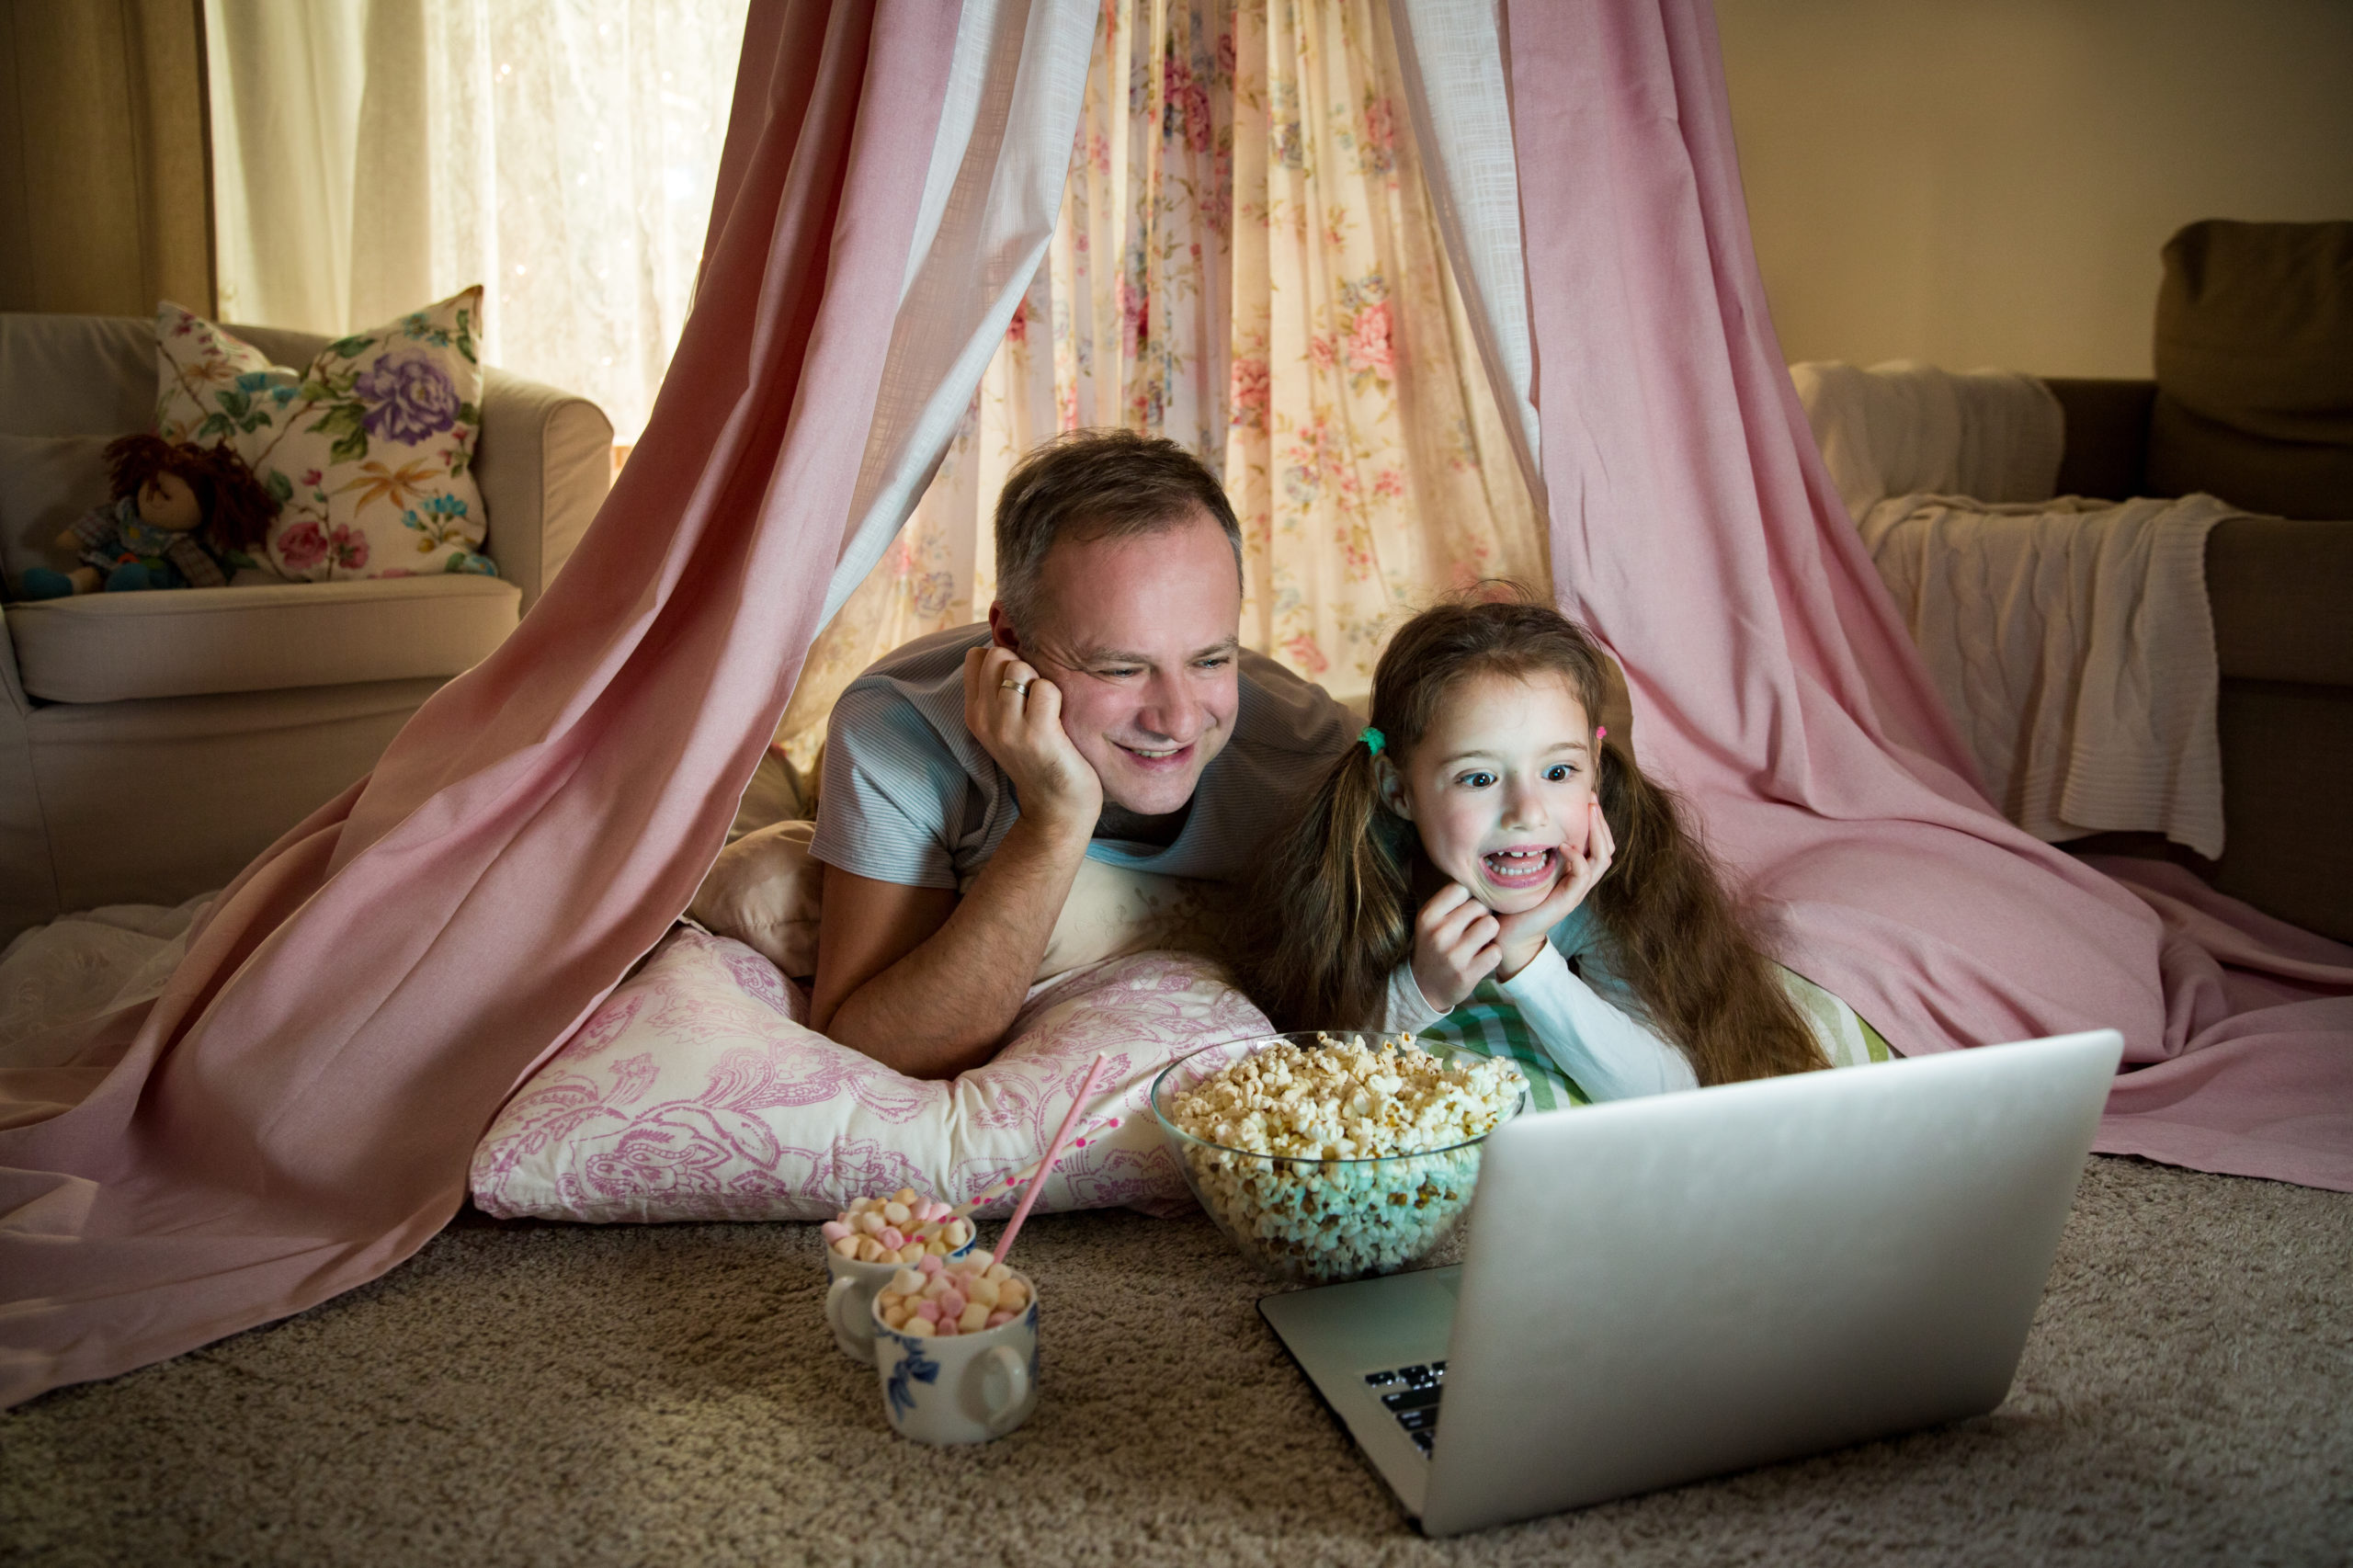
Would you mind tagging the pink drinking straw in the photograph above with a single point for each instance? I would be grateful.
(1054, 1152)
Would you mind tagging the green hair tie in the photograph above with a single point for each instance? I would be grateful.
(1374, 739)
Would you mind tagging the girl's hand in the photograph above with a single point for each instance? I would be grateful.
(1454, 947)
(1520, 937)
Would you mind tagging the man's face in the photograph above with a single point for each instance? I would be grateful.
(1140, 634)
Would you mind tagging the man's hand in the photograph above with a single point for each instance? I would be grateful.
(924, 981)
(1021, 726)
(1520, 937)
(1454, 947)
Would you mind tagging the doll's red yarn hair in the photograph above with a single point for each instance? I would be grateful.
(237, 508)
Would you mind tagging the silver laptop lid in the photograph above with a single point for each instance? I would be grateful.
(1664, 1288)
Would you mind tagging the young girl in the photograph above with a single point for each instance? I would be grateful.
(1472, 832)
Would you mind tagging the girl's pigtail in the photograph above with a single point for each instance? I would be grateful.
(1679, 944)
(1329, 918)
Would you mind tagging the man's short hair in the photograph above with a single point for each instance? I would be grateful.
(1090, 484)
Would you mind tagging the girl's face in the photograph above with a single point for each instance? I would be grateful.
(1501, 788)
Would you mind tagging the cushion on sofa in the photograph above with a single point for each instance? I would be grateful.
(369, 449)
(75, 375)
(189, 641)
(47, 482)
(2254, 368)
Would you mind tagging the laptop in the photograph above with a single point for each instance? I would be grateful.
(1661, 1290)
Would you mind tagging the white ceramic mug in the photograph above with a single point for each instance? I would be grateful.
(963, 1388)
(849, 1299)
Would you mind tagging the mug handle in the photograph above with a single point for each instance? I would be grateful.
(1016, 1381)
(837, 1300)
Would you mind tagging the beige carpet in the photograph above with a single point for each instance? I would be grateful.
(542, 1393)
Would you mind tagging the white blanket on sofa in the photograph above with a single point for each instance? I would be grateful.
(2071, 638)
(2072, 641)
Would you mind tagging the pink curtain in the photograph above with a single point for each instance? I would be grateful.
(1694, 528)
(293, 1116)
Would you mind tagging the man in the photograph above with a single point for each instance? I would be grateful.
(1106, 710)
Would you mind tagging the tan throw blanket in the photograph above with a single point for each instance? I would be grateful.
(2072, 641)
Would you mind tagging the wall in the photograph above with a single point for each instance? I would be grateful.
(103, 200)
(1989, 182)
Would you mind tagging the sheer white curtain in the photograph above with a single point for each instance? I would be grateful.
(371, 155)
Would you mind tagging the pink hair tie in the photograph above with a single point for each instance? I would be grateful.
(1601, 732)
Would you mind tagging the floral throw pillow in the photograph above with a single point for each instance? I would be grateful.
(369, 449)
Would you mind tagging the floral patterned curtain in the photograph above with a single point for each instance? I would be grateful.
(1365, 454)
(1248, 264)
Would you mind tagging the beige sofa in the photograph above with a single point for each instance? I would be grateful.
(151, 744)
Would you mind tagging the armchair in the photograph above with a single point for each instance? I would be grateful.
(151, 744)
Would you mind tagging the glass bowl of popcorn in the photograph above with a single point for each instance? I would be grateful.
(1334, 1155)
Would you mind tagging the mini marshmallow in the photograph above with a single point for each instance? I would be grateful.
(905, 1226)
(948, 1298)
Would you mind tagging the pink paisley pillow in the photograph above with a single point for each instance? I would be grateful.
(696, 1092)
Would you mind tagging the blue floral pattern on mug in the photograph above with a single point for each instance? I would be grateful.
(914, 1367)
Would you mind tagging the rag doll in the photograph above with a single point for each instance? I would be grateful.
(178, 511)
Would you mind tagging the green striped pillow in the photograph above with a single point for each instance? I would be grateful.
(1489, 1024)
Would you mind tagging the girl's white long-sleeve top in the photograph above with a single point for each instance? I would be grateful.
(1611, 1055)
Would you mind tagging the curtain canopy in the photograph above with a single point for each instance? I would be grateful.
(294, 1114)
(1694, 529)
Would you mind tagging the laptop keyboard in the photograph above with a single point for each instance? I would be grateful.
(1412, 1397)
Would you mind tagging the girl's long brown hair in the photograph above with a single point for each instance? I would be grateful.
(1333, 912)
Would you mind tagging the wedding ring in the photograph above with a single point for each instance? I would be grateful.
(1019, 688)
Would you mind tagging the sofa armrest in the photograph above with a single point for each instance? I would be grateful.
(2279, 586)
(544, 462)
(2106, 454)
